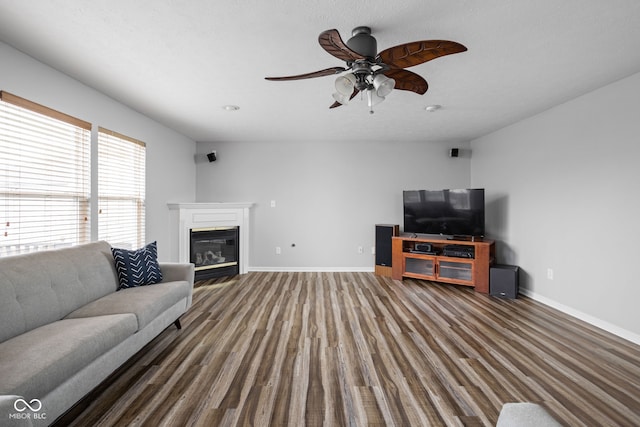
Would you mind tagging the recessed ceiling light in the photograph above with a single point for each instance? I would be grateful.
(231, 107)
(433, 108)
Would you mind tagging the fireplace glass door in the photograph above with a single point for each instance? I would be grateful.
(214, 251)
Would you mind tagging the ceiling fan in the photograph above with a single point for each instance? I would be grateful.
(377, 74)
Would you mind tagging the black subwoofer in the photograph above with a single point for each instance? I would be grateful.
(503, 280)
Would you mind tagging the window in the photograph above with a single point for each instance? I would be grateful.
(44, 177)
(121, 190)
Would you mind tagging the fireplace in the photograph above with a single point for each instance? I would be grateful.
(223, 217)
(214, 251)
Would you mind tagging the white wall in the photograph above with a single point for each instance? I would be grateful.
(170, 156)
(564, 193)
(329, 196)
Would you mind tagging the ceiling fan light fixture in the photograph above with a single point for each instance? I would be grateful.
(383, 85)
(345, 84)
(373, 98)
(341, 98)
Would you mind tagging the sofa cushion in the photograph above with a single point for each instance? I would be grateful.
(146, 302)
(137, 267)
(36, 362)
(42, 287)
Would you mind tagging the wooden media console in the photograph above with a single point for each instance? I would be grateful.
(470, 268)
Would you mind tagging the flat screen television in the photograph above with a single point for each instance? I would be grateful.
(444, 212)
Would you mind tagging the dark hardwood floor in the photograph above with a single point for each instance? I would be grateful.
(354, 349)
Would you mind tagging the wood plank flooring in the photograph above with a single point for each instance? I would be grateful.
(355, 349)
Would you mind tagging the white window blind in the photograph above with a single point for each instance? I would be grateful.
(121, 190)
(44, 177)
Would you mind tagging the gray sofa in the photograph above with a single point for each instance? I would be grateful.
(64, 327)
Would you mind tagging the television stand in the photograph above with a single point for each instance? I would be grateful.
(471, 270)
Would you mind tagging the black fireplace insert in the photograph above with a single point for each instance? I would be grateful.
(215, 252)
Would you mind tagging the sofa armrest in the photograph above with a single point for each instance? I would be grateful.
(172, 271)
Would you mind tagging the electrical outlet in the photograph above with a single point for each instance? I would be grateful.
(278, 250)
(273, 203)
(360, 250)
(550, 273)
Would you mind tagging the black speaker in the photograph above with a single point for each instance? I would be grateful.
(503, 280)
(454, 152)
(212, 156)
(384, 233)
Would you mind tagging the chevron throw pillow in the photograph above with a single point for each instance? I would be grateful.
(138, 267)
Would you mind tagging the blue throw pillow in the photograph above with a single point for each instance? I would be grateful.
(138, 267)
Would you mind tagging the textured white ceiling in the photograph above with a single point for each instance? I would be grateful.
(180, 62)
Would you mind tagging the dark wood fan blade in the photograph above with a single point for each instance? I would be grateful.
(414, 53)
(321, 73)
(331, 41)
(407, 80)
(337, 104)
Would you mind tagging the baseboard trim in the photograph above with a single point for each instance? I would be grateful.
(609, 327)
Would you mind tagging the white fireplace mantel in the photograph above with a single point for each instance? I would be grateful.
(209, 215)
